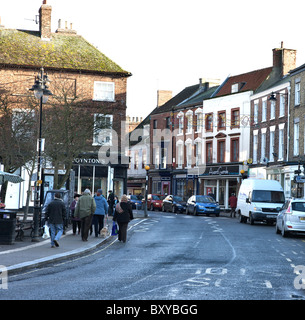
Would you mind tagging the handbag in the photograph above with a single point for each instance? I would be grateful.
(118, 208)
(114, 229)
(46, 232)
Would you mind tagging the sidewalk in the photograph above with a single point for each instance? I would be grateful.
(25, 255)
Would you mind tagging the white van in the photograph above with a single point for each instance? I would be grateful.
(259, 200)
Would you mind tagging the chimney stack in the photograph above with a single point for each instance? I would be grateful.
(65, 30)
(284, 59)
(45, 12)
(163, 97)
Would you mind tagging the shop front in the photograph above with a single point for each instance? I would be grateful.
(91, 174)
(285, 174)
(220, 182)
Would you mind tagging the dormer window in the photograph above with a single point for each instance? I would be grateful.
(236, 87)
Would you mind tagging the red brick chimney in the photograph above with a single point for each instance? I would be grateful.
(285, 59)
(45, 21)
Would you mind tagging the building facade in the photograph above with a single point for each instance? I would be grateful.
(101, 84)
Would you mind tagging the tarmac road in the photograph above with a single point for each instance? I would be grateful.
(175, 257)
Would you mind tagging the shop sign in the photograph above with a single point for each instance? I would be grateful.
(86, 161)
(221, 171)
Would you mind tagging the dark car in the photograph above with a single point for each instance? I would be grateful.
(202, 204)
(173, 204)
(135, 201)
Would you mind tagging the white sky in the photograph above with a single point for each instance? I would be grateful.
(170, 44)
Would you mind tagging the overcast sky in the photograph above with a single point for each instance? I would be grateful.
(170, 44)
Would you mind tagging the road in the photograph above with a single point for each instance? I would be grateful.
(176, 257)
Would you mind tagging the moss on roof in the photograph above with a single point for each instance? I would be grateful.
(25, 48)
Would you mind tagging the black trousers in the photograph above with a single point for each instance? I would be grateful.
(122, 234)
(98, 223)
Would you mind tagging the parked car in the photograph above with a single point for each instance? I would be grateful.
(202, 204)
(135, 201)
(154, 201)
(291, 219)
(174, 204)
(260, 200)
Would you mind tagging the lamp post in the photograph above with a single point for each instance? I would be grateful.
(146, 185)
(42, 93)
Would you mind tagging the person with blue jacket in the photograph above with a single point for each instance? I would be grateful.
(100, 212)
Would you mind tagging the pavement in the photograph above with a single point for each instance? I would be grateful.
(21, 256)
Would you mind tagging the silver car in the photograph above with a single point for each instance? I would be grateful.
(291, 218)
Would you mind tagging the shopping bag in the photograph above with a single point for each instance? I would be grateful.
(46, 232)
(114, 229)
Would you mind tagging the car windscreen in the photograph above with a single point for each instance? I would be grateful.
(205, 199)
(268, 196)
(155, 197)
(298, 206)
(178, 199)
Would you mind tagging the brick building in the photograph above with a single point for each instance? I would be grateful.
(102, 84)
(270, 147)
(296, 135)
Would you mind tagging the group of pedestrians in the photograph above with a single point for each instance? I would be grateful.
(88, 213)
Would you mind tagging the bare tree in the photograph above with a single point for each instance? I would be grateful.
(68, 127)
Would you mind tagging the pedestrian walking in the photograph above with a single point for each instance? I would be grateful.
(110, 201)
(116, 201)
(233, 204)
(100, 212)
(122, 215)
(76, 222)
(55, 215)
(84, 210)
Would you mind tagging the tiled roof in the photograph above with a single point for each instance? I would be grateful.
(198, 97)
(63, 51)
(247, 81)
(178, 98)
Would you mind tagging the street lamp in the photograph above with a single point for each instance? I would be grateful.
(147, 168)
(42, 93)
(273, 95)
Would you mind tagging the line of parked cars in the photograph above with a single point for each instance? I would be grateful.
(258, 201)
(194, 205)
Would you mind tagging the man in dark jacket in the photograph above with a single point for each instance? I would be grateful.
(55, 215)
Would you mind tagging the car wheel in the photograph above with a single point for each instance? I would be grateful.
(277, 230)
(251, 219)
(152, 207)
(195, 212)
(284, 232)
(163, 209)
(173, 209)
